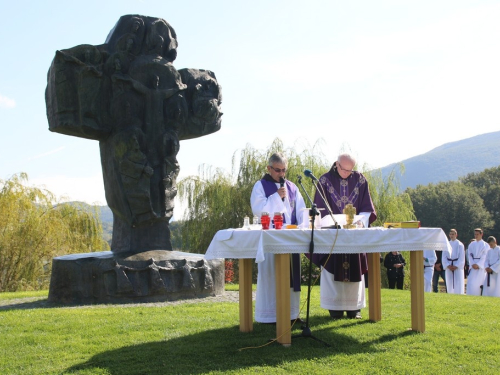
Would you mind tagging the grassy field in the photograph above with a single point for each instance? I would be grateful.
(462, 337)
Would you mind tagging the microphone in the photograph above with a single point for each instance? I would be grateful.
(282, 183)
(309, 174)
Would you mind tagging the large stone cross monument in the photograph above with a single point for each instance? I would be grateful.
(127, 95)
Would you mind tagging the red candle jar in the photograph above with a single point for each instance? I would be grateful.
(278, 220)
(265, 220)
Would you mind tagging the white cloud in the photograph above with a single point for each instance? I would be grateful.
(85, 189)
(7, 102)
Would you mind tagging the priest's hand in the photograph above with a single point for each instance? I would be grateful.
(282, 192)
(475, 266)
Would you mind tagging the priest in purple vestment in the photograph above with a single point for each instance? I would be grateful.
(342, 286)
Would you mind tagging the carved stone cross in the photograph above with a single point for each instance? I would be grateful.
(127, 95)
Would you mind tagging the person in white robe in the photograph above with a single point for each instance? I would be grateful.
(453, 264)
(429, 260)
(478, 250)
(269, 196)
(491, 286)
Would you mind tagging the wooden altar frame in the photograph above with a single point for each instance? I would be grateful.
(282, 267)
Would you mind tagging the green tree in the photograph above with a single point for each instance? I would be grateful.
(176, 234)
(450, 205)
(487, 185)
(35, 229)
(390, 204)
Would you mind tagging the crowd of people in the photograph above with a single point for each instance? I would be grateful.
(342, 287)
(480, 264)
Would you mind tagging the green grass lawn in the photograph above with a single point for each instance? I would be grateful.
(462, 337)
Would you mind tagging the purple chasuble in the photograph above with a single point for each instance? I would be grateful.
(340, 192)
(270, 188)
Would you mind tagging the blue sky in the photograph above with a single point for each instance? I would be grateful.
(388, 79)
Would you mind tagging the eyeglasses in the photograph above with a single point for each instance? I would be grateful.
(345, 170)
(278, 170)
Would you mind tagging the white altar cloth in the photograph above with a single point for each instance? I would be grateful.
(244, 243)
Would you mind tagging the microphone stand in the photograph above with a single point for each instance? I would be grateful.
(313, 212)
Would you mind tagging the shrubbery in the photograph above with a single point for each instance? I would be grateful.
(35, 228)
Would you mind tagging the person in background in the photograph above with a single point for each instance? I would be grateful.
(275, 194)
(453, 264)
(395, 265)
(429, 260)
(477, 255)
(491, 286)
(438, 272)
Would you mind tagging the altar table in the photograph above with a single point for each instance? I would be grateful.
(245, 245)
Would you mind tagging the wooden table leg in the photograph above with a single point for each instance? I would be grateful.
(417, 291)
(282, 267)
(374, 285)
(246, 312)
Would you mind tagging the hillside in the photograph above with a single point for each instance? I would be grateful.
(450, 161)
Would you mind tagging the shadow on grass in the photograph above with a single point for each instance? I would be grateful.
(227, 349)
(33, 303)
(44, 303)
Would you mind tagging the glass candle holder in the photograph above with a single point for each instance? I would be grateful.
(265, 220)
(278, 220)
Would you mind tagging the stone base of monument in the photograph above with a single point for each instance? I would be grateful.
(151, 276)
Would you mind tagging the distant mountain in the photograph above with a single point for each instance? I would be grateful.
(449, 161)
(106, 214)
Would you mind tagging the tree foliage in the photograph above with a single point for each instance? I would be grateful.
(450, 205)
(218, 200)
(35, 229)
(391, 206)
(487, 186)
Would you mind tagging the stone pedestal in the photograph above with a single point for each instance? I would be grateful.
(156, 275)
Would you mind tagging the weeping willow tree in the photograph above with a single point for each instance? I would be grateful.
(35, 228)
(391, 205)
(217, 199)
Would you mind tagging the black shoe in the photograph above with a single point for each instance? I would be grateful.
(297, 321)
(354, 314)
(336, 314)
